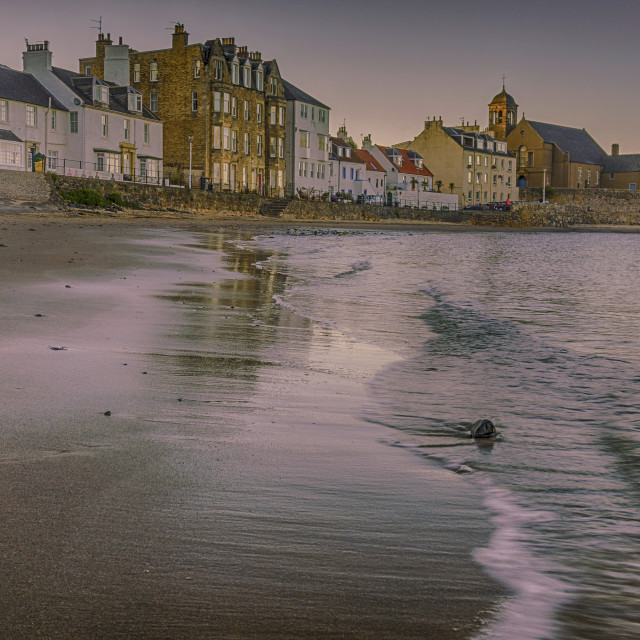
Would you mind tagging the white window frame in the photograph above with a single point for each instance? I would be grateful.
(105, 125)
(32, 116)
(4, 111)
(136, 72)
(259, 144)
(153, 72)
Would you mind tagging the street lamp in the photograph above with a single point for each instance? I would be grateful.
(190, 149)
(544, 184)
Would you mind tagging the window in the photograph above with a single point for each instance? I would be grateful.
(612, 176)
(4, 110)
(300, 168)
(111, 162)
(304, 139)
(143, 167)
(259, 145)
(127, 126)
(246, 110)
(217, 137)
(145, 134)
(153, 102)
(304, 110)
(632, 186)
(194, 101)
(87, 70)
(234, 141)
(478, 160)
(313, 169)
(322, 115)
(100, 93)
(322, 142)
(313, 113)
(225, 173)
(273, 86)
(272, 147)
(351, 174)
(244, 177)
(280, 178)
(246, 79)
(281, 147)
(510, 168)
(486, 161)
(597, 178)
(235, 73)
(153, 72)
(52, 160)
(153, 168)
(10, 153)
(272, 178)
(259, 81)
(216, 172)
(105, 126)
(197, 68)
(259, 112)
(281, 116)
(135, 102)
(226, 138)
(247, 147)
(136, 72)
(217, 101)
(52, 121)
(344, 173)
(273, 114)
(331, 169)
(588, 182)
(100, 162)
(321, 168)
(470, 162)
(234, 107)
(73, 122)
(218, 74)
(226, 102)
(530, 159)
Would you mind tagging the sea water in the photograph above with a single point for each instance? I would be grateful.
(539, 332)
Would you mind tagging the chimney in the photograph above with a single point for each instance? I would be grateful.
(342, 133)
(37, 58)
(180, 38)
(243, 52)
(615, 149)
(116, 64)
(366, 142)
(101, 43)
(229, 45)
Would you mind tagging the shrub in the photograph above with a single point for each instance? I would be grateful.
(89, 197)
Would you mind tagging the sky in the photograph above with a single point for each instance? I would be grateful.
(385, 67)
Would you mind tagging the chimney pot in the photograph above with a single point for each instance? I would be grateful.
(615, 149)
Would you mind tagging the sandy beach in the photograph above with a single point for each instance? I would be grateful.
(169, 471)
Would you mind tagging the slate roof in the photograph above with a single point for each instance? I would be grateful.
(23, 87)
(503, 96)
(339, 142)
(622, 164)
(82, 86)
(5, 134)
(456, 134)
(580, 146)
(291, 92)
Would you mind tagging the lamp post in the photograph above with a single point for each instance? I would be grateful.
(544, 184)
(190, 150)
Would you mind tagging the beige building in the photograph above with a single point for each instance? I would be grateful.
(473, 165)
(621, 171)
(564, 156)
(223, 108)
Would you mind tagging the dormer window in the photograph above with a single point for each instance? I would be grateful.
(87, 70)
(235, 73)
(101, 94)
(398, 160)
(217, 70)
(347, 152)
(246, 79)
(419, 163)
(259, 80)
(135, 102)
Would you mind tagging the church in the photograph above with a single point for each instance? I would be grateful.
(549, 154)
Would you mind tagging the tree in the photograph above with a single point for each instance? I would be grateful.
(451, 186)
(439, 184)
(351, 142)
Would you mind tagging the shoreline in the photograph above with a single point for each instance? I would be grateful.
(220, 496)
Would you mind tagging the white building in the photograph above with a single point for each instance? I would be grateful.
(105, 130)
(307, 144)
(409, 181)
(31, 121)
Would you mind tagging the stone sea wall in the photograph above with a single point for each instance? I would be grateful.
(567, 208)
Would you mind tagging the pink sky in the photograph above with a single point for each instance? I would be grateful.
(385, 67)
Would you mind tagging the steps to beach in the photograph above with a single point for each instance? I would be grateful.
(275, 208)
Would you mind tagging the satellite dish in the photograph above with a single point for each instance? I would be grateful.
(77, 101)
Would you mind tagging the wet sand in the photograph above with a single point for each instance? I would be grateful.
(230, 493)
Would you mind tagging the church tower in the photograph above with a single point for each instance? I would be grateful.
(503, 115)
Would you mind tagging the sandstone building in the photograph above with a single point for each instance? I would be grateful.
(563, 156)
(223, 108)
(471, 164)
